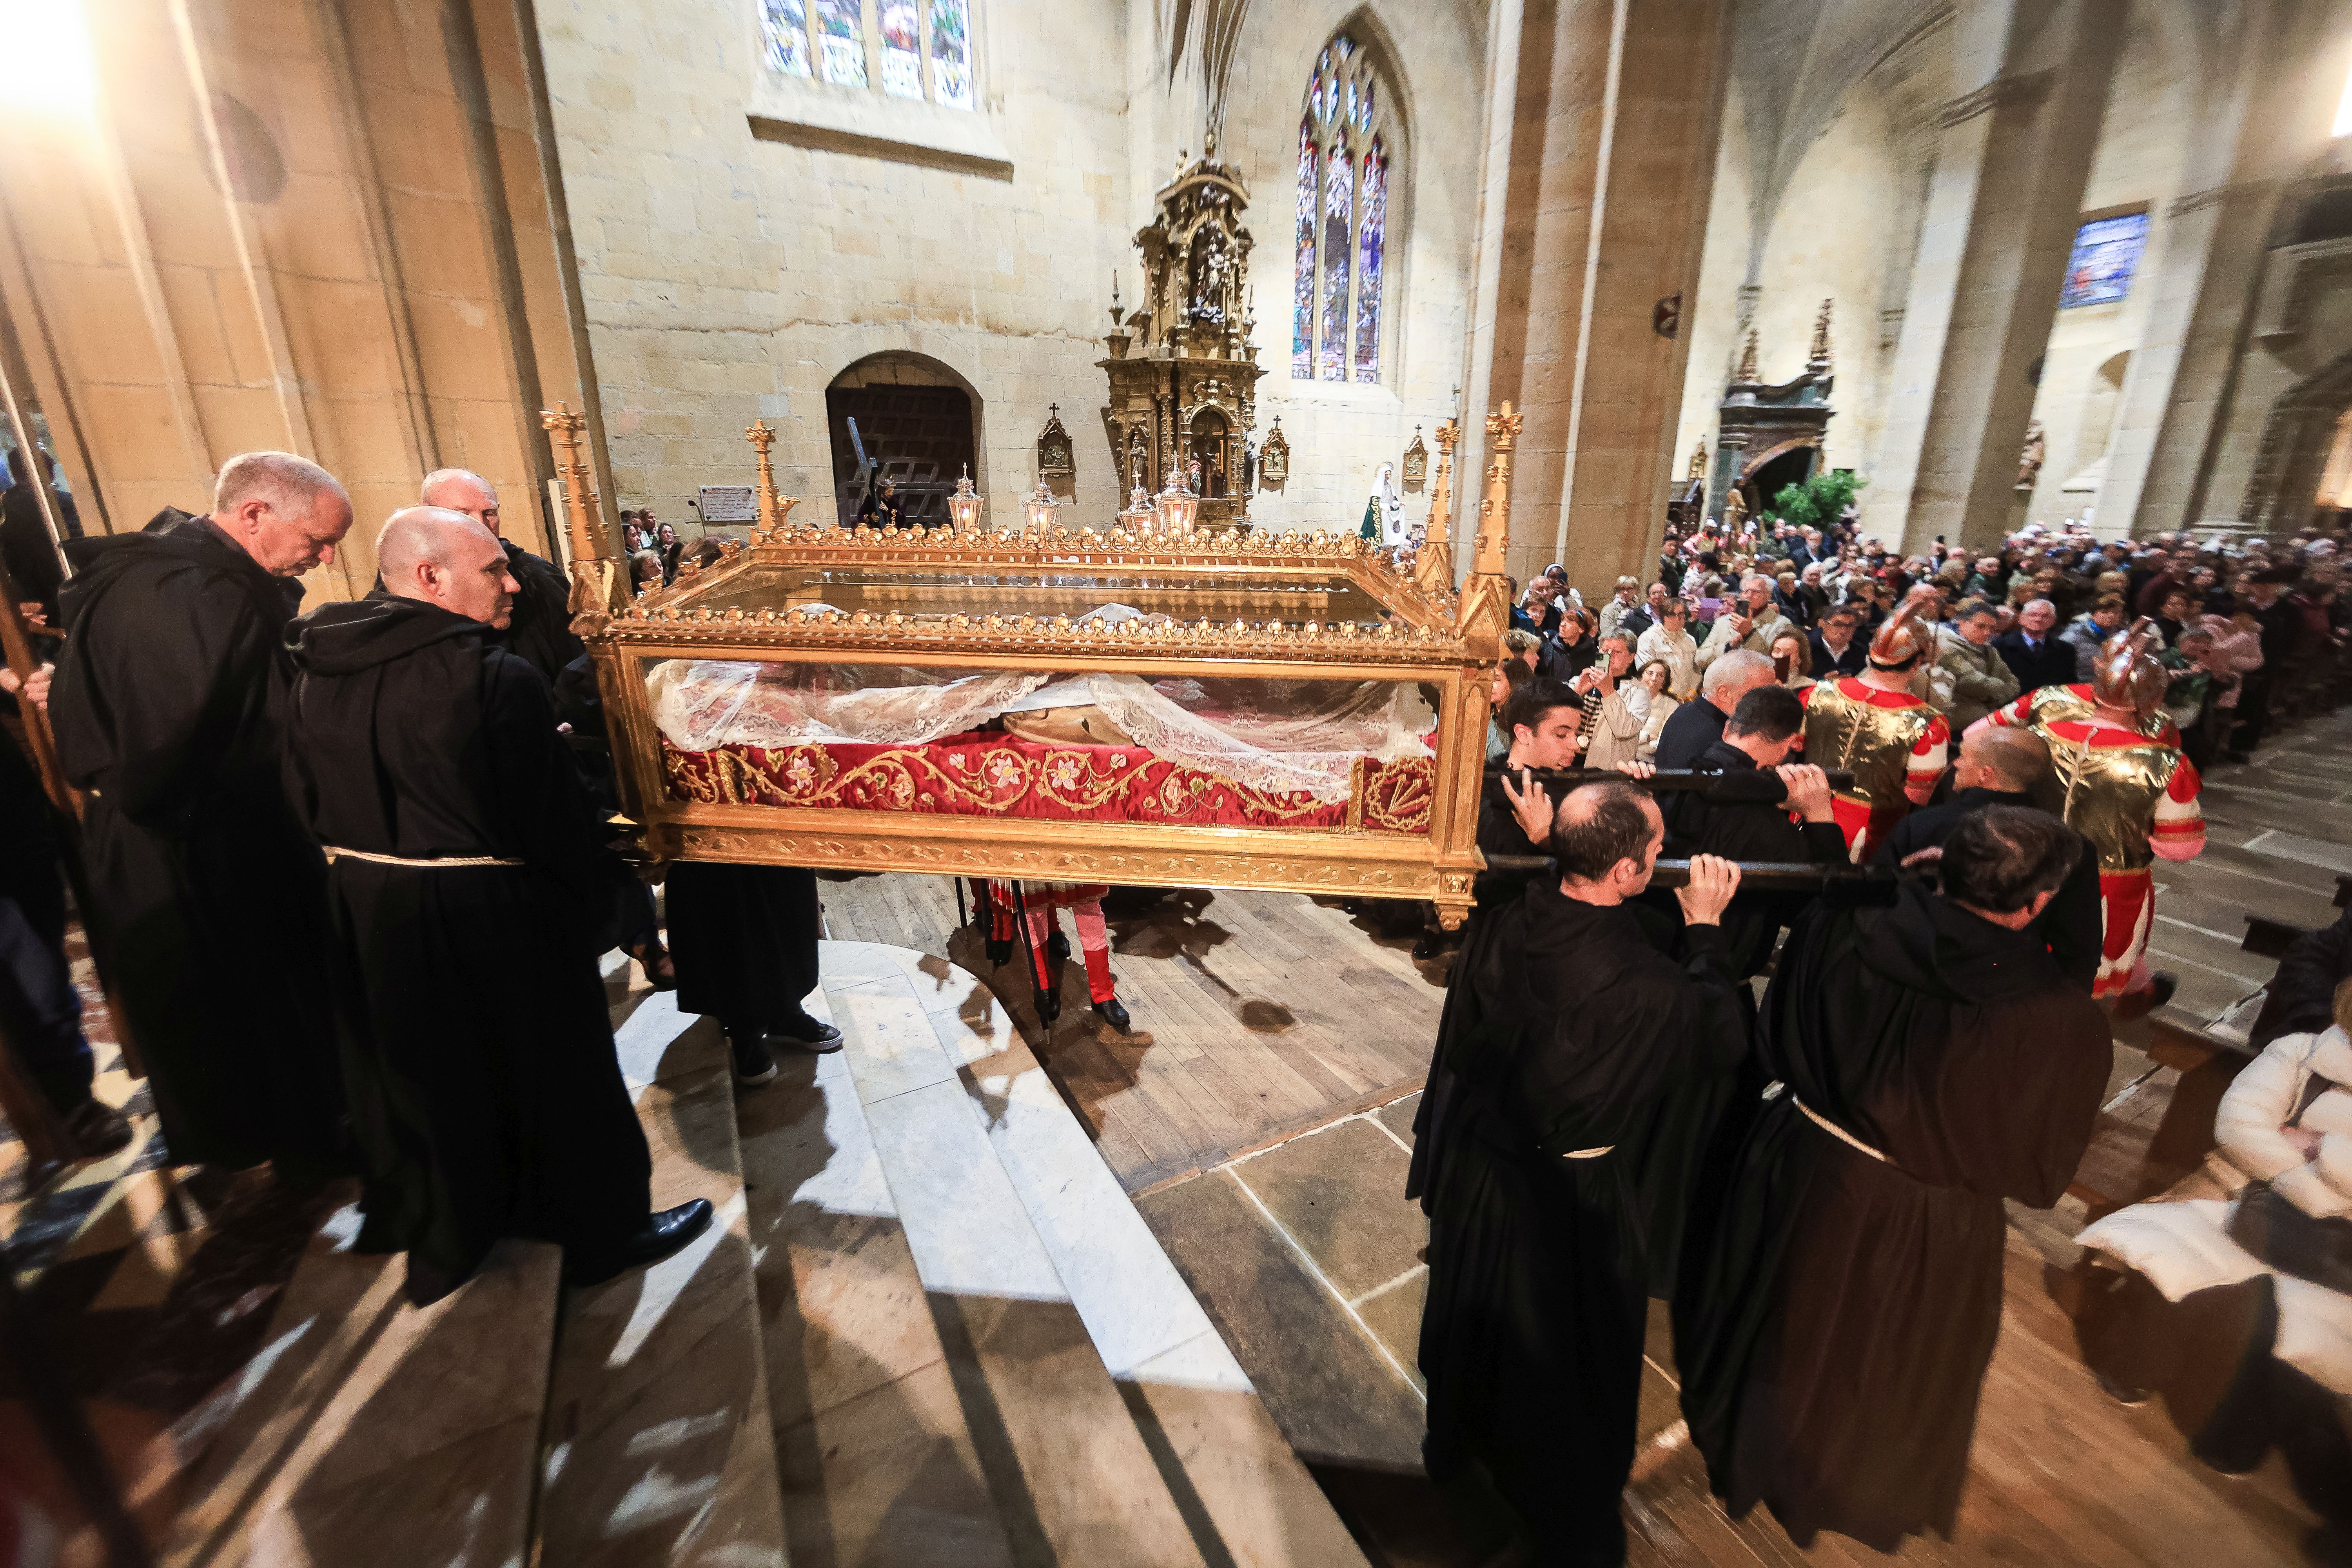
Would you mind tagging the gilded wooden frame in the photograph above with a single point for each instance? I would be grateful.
(1448, 640)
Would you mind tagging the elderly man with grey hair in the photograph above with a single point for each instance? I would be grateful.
(541, 632)
(208, 899)
(1753, 623)
(1695, 726)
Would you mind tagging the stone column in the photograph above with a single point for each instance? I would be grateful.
(2011, 160)
(2270, 115)
(1601, 159)
(329, 227)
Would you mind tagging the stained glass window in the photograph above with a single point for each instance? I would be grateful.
(1302, 299)
(1347, 160)
(902, 51)
(1368, 237)
(841, 41)
(2107, 253)
(783, 27)
(951, 53)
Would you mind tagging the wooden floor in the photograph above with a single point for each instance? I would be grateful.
(1256, 1016)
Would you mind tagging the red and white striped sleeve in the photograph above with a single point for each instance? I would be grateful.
(1927, 765)
(2017, 715)
(2179, 830)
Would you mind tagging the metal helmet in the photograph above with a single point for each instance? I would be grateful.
(2125, 673)
(1901, 638)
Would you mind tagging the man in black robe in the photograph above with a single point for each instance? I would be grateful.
(470, 893)
(1542, 717)
(208, 899)
(1694, 726)
(1562, 1041)
(542, 633)
(2009, 767)
(1683, 1158)
(1935, 1062)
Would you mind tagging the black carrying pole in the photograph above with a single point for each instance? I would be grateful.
(1755, 876)
(1746, 784)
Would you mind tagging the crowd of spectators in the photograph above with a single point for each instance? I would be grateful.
(2255, 628)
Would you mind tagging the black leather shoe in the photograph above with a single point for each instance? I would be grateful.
(97, 1129)
(2160, 990)
(1113, 1014)
(662, 1234)
(1058, 947)
(754, 1064)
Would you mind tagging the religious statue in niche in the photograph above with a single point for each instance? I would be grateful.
(2029, 460)
(1206, 305)
(1274, 458)
(1416, 462)
(1053, 445)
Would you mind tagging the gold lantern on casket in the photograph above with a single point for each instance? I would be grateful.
(1211, 709)
(963, 506)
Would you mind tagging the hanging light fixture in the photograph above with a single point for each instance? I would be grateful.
(963, 506)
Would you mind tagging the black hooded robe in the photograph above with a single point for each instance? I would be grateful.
(744, 941)
(541, 631)
(475, 1037)
(1564, 1029)
(2072, 925)
(1682, 1159)
(1834, 1343)
(208, 901)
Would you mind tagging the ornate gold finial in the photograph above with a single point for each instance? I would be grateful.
(1747, 372)
(1821, 353)
(775, 511)
(1495, 510)
(1697, 462)
(1432, 569)
(597, 584)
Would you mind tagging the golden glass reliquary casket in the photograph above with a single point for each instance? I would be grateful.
(1197, 710)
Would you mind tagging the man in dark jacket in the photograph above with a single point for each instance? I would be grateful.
(2001, 766)
(2302, 996)
(1696, 725)
(207, 896)
(1839, 648)
(25, 547)
(470, 894)
(2035, 657)
(541, 632)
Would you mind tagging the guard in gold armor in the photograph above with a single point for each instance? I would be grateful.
(1874, 726)
(2123, 783)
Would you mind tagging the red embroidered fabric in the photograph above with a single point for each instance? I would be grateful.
(1002, 775)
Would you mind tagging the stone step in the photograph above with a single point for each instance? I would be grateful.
(366, 1431)
(988, 1358)
(656, 1448)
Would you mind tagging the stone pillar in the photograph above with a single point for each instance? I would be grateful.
(1599, 162)
(2011, 160)
(328, 227)
(2269, 117)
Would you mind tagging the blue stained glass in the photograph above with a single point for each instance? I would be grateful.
(2106, 254)
(1364, 120)
(1370, 236)
(1339, 196)
(1302, 301)
(785, 27)
(1347, 47)
(1351, 101)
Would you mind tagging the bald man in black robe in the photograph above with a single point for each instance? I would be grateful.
(1561, 1039)
(208, 899)
(1936, 1062)
(471, 892)
(542, 627)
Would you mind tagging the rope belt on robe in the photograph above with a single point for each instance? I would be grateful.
(1840, 1133)
(1588, 1154)
(433, 865)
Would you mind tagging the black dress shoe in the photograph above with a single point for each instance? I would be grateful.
(1113, 1014)
(97, 1129)
(2161, 988)
(663, 1233)
(1058, 947)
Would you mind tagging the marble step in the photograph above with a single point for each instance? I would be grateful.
(656, 1448)
(989, 1359)
(367, 1431)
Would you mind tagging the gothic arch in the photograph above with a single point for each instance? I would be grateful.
(2297, 436)
(919, 418)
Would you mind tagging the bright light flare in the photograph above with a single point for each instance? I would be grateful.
(46, 43)
(2343, 110)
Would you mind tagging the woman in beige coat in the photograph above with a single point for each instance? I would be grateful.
(1631, 718)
